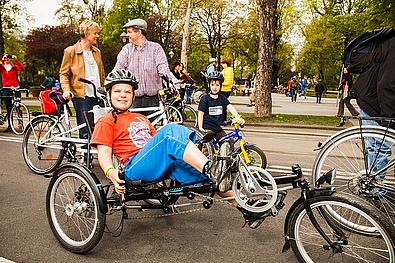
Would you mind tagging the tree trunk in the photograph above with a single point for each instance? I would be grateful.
(1, 35)
(264, 71)
(185, 36)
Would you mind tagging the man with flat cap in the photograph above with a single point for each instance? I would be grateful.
(146, 60)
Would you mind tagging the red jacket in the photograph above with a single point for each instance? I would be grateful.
(10, 78)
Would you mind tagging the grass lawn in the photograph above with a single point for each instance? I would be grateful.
(292, 119)
(275, 119)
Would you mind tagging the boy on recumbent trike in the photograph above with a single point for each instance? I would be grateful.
(149, 155)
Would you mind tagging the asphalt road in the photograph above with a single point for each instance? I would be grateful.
(212, 235)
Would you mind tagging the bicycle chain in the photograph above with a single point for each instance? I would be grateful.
(175, 212)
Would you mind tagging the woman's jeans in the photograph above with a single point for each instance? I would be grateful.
(378, 152)
(162, 157)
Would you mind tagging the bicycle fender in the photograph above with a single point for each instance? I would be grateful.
(98, 190)
(312, 193)
(40, 116)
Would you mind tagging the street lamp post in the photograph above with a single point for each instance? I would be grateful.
(124, 37)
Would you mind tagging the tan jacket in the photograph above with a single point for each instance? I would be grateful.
(73, 68)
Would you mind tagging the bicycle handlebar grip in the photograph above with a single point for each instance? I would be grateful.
(85, 81)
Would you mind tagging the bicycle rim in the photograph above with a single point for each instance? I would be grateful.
(190, 116)
(41, 157)
(173, 115)
(346, 153)
(19, 117)
(309, 245)
(256, 155)
(73, 212)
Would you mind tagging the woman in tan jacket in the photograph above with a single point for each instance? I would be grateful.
(82, 60)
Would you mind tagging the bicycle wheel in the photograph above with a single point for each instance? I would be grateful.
(189, 116)
(197, 96)
(346, 152)
(73, 211)
(19, 118)
(256, 155)
(41, 153)
(173, 115)
(309, 246)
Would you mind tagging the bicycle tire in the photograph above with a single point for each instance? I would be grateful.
(173, 115)
(190, 118)
(344, 151)
(309, 246)
(42, 159)
(256, 155)
(17, 118)
(197, 96)
(73, 211)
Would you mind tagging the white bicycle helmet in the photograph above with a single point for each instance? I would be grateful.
(120, 76)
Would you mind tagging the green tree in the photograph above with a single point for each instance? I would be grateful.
(69, 13)
(9, 11)
(119, 14)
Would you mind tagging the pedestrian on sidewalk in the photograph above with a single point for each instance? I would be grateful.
(319, 90)
(294, 88)
(9, 67)
(344, 89)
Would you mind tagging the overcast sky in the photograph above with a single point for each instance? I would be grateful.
(42, 11)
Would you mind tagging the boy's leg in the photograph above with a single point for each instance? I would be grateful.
(169, 145)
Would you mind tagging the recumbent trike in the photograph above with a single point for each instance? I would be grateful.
(320, 225)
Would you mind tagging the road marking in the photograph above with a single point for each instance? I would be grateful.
(10, 139)
(4, 260)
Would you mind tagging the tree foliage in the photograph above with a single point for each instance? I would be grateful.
(119, 14)
(44, 49)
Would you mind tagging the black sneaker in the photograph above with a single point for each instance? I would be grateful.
(208, 170)
(254, 220)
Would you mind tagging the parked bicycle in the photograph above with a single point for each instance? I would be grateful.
(346, 152)
(320, 226)
(19, 115)
(173, 99)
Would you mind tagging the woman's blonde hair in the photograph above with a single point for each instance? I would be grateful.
(87, 26)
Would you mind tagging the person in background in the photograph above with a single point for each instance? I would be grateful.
(294, 89)
(319, 90)
(211, 67)
(9, 67)
(303, 86)
(229, 76)
(82, 60)
(344, 89)
(147, 61)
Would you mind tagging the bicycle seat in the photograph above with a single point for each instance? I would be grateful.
(208, 137)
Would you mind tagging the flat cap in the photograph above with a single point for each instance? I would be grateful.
(137, 23)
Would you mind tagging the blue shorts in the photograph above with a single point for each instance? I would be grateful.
(162, 156)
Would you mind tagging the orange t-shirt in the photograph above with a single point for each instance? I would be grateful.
(126, 137)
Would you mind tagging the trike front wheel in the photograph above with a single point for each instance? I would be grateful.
(73, 211)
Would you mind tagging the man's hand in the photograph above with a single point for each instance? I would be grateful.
(119, 184)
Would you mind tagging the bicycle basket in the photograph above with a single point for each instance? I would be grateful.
(48, 105)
